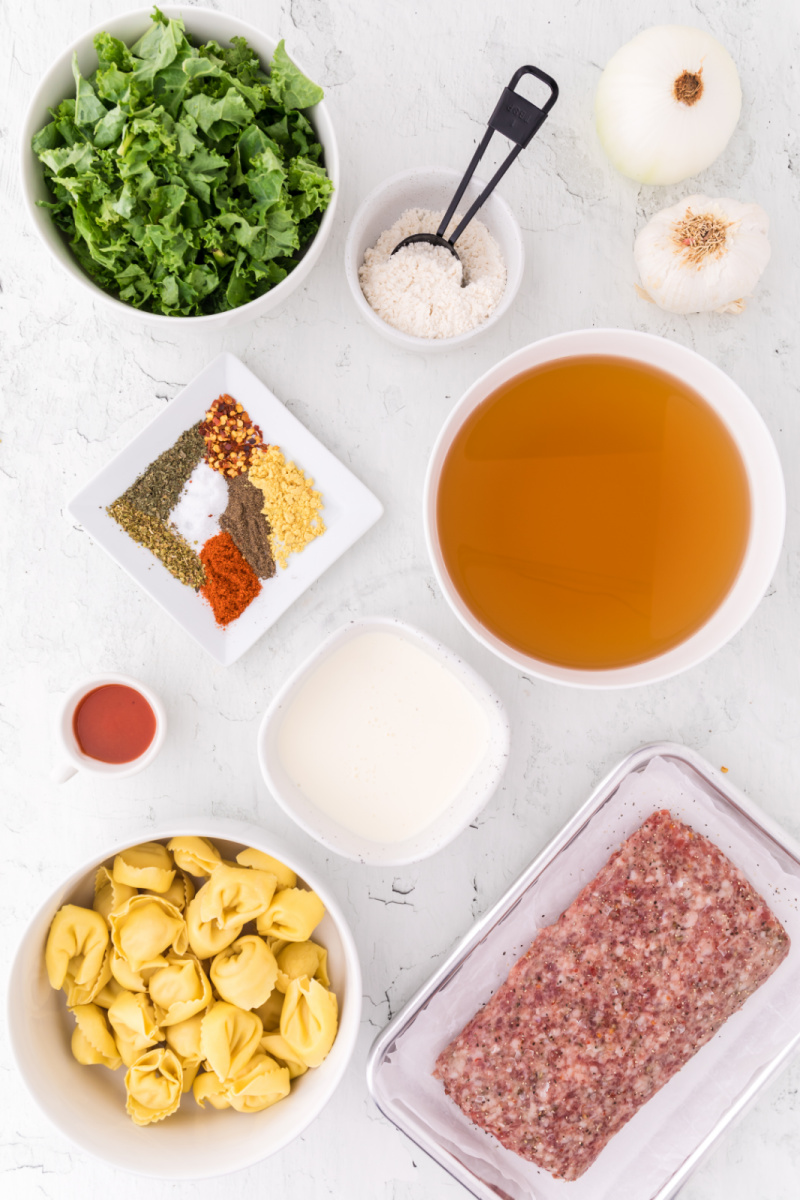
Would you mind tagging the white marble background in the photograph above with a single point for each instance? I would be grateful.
(408, 83)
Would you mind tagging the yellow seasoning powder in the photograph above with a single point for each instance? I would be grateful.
(291, 504)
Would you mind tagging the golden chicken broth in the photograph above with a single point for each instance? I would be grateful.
(593, 512)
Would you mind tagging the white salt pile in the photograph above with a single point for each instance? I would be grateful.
(202, 502)
(418, 290)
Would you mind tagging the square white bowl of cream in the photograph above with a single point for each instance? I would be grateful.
(384, 745)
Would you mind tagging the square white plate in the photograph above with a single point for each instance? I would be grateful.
(350, 509)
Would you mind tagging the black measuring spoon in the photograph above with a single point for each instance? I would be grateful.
(517, 119)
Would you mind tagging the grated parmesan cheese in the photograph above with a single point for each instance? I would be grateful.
(418, 290)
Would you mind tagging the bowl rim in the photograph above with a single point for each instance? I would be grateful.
(767, 493)
(226, 829)
(374, 853)
(411, 341)
(71, 267)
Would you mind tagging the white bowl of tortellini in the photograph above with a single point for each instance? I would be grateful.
(185, 1006)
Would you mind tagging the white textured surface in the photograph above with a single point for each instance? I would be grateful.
(408, 84)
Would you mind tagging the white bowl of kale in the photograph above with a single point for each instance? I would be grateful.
(187, 174)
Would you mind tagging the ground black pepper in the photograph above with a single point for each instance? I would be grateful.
(247, 525)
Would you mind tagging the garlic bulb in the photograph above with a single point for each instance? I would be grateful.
(703, 255)
(667, 104)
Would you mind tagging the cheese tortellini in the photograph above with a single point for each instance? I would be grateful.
(75, 955)
(179, 990)
(92, 1042)
(274, 1044)
(207, 1089)
(184, 1038)
(179, 892)
(148, 866)
(309, 1020)
(270, 1012)
(144, 928)
(205, 937)
(198, 974)
(257, 1085)
(302, 958)
(228, 1038)
(133, 1019)
(108, 994)
(265, 862)
(293, 915)
(154, 1084)
(260, 1083)
(108, 894)
(235, 895)
(245, 972)
(195, 855)
(125, 977)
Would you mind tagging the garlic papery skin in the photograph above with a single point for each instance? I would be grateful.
(703, 255)
(667, 104)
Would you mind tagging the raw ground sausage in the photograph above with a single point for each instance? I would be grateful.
(608, 1003)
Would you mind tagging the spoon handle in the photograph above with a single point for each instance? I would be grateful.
(517, 119)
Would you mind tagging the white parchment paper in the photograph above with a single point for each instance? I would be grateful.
(651, 1147)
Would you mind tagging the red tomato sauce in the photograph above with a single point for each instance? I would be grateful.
(114, 724)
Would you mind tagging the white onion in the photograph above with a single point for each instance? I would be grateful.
(667, 104)
(703, 255)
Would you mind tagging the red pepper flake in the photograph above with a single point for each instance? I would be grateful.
(230, 437)
(231, 584)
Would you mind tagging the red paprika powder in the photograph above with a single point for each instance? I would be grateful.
(230, 581)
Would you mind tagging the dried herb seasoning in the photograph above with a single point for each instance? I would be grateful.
(157, 489)
(168, 547)
(247, 525)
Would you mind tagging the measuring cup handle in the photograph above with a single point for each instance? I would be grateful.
(517, 119)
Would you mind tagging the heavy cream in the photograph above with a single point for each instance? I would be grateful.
(382, 737)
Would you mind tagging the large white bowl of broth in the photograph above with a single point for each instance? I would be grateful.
(87, 1103)
(604, 508)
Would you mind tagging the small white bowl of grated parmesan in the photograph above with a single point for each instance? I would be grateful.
(415, 298)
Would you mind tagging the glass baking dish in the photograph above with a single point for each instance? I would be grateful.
(653, 1155)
